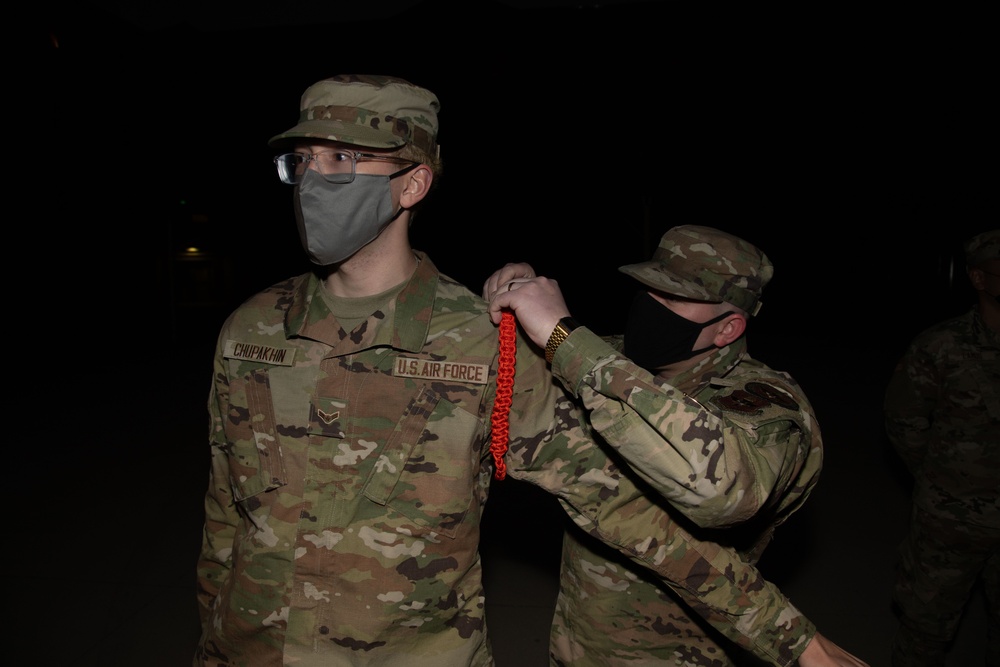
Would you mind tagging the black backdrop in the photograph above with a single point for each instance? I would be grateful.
(843, 144)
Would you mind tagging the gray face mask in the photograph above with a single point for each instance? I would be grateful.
(337, 219)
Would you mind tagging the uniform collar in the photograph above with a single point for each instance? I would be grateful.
(401, 323)
(717, 364)
(987, 336)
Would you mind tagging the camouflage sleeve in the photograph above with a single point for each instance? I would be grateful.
(910, 397)
(719, 586)
(724, 589)
(552, 447)
(221, 516)
(713, 470)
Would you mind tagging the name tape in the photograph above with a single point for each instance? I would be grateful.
(281, 356)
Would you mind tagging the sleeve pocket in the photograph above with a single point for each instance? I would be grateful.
(254, 453)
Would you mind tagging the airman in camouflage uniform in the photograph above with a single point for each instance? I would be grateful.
(351, 433)
(942, 410)
(731, 445)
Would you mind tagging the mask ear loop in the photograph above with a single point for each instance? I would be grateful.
(500, 418)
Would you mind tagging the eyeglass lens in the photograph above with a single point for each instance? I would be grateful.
(335, 166)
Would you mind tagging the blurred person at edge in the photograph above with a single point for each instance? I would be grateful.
(942, 416)
(732, 445)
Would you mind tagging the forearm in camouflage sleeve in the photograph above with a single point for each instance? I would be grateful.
(217, 539)
(910, 397)
(221, 516)
(729, 593)
(552, 447)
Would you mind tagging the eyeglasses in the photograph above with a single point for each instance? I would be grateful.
(336, 166)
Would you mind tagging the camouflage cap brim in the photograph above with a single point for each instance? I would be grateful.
(982, 248)
(705, 286)
(654, 276)
(343, 132)
(707, 264)
(367, 110)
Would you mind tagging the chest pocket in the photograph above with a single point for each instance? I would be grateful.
(428, 468)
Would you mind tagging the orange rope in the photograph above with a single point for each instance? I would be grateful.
(505, 388)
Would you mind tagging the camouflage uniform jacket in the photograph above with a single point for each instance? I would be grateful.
(735, 447)
(942, 410)
(349, 471)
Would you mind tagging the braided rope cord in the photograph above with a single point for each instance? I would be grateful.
(500, 418)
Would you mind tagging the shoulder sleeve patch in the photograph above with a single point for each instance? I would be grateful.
(753, 398)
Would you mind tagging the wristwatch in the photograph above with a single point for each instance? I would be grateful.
(563, 329)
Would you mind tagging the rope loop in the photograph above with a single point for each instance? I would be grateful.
(500, 418)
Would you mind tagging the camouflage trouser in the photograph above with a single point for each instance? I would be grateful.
(940, 561)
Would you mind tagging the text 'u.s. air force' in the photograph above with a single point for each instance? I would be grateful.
(431, 369)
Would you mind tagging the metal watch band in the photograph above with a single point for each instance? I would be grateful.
(563, 329)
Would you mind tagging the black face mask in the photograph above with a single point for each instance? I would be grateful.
(656, 336)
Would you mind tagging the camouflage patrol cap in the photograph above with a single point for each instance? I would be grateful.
(706, 264)
(982, 248)
(367, 110)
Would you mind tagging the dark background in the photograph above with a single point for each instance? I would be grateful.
(851, 145)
